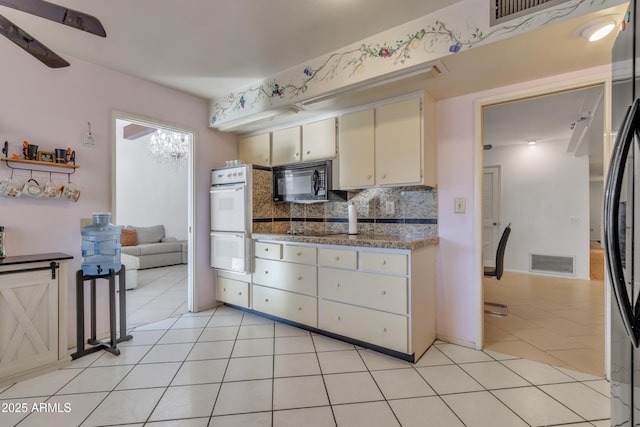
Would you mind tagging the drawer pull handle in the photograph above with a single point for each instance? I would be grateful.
(299, 277)
(368, 177)
(299, 254)
(337, 258)
(224, 289)
(266, 272)
(337, 285)
(299, 308)
(266, 300)
(266, 249)
(384, 262)
(239, 293)
(384, 176)
(338, 318)
(384, 292)
(384, 330)
(308, 151)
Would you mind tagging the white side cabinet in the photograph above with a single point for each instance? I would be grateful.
(33, 318)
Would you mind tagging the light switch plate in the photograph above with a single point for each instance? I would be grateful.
(460, 205)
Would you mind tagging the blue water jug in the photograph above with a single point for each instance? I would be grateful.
(100, 246)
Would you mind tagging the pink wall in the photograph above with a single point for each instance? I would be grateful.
(459, 274)
(51, 108)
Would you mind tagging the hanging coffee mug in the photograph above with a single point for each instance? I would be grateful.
(52, 190)
(10, 188)
(32, 188)
(71, 192)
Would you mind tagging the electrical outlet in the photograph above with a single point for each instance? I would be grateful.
(460, 205)
(389, 207)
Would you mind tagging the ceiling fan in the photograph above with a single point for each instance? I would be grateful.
(53, 12)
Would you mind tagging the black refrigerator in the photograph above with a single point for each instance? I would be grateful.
(622, 225)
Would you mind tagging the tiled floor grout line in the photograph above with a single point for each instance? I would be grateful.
(324, 382)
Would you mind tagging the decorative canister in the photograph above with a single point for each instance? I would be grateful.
(100, 246)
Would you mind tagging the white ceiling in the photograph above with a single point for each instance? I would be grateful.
(211, 47)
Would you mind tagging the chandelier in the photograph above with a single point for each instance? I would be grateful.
(169, 147)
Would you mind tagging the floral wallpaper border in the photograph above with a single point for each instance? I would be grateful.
(437, 39)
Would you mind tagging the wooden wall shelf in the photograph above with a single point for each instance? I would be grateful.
(39, 163)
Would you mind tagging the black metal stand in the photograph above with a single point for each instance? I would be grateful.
(111, 346)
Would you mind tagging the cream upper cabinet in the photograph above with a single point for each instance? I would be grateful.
(398, 147)
(285, 146)
(256, 150)
(319, 140)
(356, 149)
(391, 145)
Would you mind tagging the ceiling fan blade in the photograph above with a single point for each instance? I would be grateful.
(60, 14)
(31, 45)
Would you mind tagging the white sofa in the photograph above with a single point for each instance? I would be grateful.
(153, 248)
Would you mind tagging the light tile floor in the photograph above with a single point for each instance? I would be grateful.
(550, 320)
(161, 293)
(225, 368)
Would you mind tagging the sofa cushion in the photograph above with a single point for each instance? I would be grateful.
(128, 237)
(159, 248)
(131, 250)
(150, 234)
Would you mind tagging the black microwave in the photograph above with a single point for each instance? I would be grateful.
(304, 182)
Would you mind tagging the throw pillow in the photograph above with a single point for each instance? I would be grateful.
(129, 237)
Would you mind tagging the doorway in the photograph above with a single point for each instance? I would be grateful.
(152, 196)
(549, 148)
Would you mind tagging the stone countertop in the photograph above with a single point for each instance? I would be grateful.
(384, 241)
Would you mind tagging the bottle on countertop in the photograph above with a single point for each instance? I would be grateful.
(2, 243)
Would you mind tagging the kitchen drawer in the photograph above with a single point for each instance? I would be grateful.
(233, 291)
(268, 250)
(338, 258)
(287, 305)
(300, 254)
(285, 275)
(384, 262)
(371, 326)
(379, 291)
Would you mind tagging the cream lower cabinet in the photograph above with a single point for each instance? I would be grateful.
(33, 328)
(285, 282)
(233, 291)
(381, 297)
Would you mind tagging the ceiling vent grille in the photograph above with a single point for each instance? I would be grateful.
(564, 265)
(505, 10)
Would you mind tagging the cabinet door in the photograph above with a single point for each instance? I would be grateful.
(399, 143)
(319, 140)
(232, 291)
(375, 327)
(29, 319)
(285, 146)
(356, 149)
(255, 150)
(300, 254)
(285, 275)
(379, 291)
(287, 305)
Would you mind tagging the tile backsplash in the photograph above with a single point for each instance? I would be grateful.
(408, 211)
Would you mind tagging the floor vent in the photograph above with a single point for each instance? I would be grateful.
(553, 264)
(505, 10)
